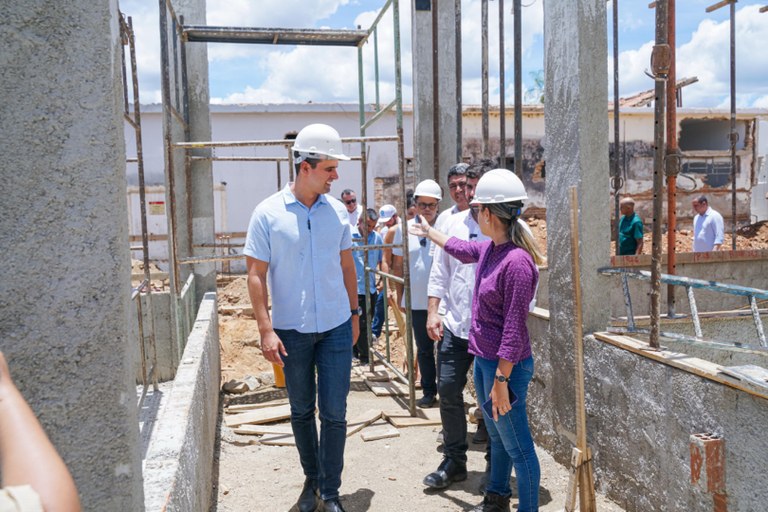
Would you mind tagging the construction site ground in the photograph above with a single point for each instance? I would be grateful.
(379, 475)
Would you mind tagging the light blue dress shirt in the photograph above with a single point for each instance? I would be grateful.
(302, 246)
(374, 258)
(708, 230)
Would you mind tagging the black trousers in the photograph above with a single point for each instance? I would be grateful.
(425, 352)
(453, 362)
(360, 349)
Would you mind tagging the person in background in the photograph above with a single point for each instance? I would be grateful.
(366, 224)
(457, 183)
(300, 239)
(388, 218)
(410, 205)
(427, 196)
(349, 199)
(450, 288)
(630, 229)
(505, 284)
(34, 476)
(708, 226)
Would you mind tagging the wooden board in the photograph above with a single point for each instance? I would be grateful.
(390, 388)
(278, 440)
(266, 415)
(378, 376)
(380, 432)
(252, 407)
(260, 430)
(362, 420)
(424, 417)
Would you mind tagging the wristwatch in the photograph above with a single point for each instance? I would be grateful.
(358, 311)
(502, 378)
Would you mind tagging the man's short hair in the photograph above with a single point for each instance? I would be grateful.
(346, 192)
(702, 199)
(311, 161)
(372, 214)
(477, 169)
(459, 169)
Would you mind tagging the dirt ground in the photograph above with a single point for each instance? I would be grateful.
(382, 475)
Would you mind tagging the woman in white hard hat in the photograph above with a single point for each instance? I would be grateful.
(506, 281)
(427, 196)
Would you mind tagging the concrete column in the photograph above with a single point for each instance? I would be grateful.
(424, 98)
(576, 152)
(65, 291)
(201, 186)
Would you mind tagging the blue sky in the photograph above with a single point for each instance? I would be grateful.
(277, 74)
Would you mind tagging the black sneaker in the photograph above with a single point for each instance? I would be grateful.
(427, 401)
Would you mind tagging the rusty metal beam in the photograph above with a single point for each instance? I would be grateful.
(288, 36)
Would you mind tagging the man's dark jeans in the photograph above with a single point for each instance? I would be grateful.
(453, 363)
(361, 347)
(329, 356)
(425, 352)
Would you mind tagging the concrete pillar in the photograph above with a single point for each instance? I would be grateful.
(201, 188)
(576, 153)
(424, 98)
(65, 291)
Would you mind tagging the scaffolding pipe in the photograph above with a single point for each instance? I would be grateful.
(658, 166)
(457, 52)
(518, 90)
(673, 162)
(502, 103)
(615, 173)
(282, 142)
(484, 74)
(435, 96)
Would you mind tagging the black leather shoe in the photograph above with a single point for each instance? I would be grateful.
(333, 505)
(481, 434)
(309, 497)
(448, 472)
(493, 503)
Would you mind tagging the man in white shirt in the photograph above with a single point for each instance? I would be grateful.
(708, 226)
(349, 199)
(457, 185)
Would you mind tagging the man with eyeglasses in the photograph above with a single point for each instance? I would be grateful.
(427, 196)
(457, 189)
(349, 199)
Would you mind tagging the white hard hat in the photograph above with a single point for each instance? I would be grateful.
(428, 188)
(499, 186)
(318, 141)
(386, 212)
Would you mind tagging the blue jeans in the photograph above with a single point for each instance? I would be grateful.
(453, 364)
(329, 356)
(511, 441)
(377, 324)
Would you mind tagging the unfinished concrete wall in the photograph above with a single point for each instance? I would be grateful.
(426, 103)
(178, 471)
(641, 413)
(65, 291)
(577, 155)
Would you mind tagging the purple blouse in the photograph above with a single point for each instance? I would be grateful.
(504, 287)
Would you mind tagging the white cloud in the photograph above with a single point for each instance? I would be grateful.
(706, 55)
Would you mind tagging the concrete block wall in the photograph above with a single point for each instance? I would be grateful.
(178, 469)
(640, 416)
(65, 290)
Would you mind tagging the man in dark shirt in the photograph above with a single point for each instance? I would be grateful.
(630, 229)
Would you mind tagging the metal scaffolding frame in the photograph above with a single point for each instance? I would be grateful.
(128, 38)
(174, 35)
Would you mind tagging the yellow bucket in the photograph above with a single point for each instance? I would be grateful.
(279, 376)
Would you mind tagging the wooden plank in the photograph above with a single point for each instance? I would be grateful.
(573, 481)
(362, 420)
(380, 432)
(260, 430)
(252, 407)
(402, 418)
(266, 415)
(390, 388)
(278, 440)
(378, 376)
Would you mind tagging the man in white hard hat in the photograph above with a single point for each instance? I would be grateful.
(427, 196)
(300, 239)
(448, 322)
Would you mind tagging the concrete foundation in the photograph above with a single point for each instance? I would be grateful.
(642, 408)
(178, 469)
(65, 291)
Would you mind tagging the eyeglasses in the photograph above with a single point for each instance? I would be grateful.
(426, 206)
(350, 201)
(457, 184)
